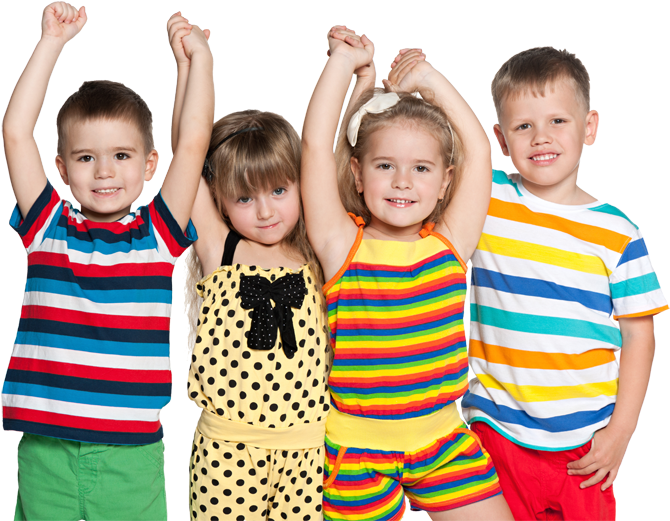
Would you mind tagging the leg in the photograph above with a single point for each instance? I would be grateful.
(491, 509)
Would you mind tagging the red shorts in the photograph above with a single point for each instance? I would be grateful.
(536, 484)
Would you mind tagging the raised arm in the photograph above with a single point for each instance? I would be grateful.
(464, 217)
(60, 23)
(329, 229)
(194, 128)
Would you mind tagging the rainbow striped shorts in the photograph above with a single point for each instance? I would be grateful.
(370, 485)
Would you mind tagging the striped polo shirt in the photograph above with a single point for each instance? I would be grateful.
(395, 311)
(547, 279)
(91, 357)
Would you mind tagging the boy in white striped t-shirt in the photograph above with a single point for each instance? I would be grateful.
(553, 265)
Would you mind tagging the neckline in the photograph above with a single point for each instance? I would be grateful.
(257, 269)
(557, 207)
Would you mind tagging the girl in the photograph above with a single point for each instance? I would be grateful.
(417, 184)
(260, 361)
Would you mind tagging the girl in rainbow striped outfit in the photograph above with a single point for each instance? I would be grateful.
(416, 184)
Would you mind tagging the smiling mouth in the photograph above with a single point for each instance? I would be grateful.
(400, 203)
(106, 191)
(269, 226)
(544, 157)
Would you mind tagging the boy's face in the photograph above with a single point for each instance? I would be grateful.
(544, 136)
(105, 165)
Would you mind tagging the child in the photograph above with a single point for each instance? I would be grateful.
(548, 400)
(396, 287)
(90, 370)
(260, 359)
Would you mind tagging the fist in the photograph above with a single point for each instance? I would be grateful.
(62, 21)
(196, 41)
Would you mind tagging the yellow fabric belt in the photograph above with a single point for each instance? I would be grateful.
(303, 436)
(392, 435)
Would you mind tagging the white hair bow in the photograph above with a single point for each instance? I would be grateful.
(378, 103)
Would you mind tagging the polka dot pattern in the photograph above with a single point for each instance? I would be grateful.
(264, 388)
(236, 481)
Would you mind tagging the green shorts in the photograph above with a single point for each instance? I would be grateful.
(62, 480)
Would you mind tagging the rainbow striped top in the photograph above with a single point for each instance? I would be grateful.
(395, 311)
(546, 281)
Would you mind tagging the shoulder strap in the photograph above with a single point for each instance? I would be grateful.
(229, 248)
(428, 230)
(357, 242)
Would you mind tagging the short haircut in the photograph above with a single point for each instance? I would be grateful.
(534, 69)
(104, 99)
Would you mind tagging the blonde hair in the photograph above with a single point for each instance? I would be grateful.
(409, 109)
(532, 70)
(251, 161)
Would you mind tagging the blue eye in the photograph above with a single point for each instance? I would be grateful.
(279, 191)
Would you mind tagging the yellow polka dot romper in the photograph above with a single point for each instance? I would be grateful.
(231, 479)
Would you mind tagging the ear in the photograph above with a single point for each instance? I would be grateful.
(150, 165)
(497, 129)
(592, 119)
(62, 169)
(448, 174)
(358, 174)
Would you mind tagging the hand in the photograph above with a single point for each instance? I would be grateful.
(62, 21)
(196, 41)
(408, 71)
(359, 49)
(179, 29)
(607, 451)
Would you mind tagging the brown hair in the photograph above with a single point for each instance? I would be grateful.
(252, 161)
(104, 99)
(411, 110)
(536, 68)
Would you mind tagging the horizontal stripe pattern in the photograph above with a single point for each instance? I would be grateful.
(546, 281)
(91, 356)
(396, 319)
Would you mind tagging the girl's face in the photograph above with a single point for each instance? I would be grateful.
(266, 216)
(402, 177)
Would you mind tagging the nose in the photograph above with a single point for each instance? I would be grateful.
(402, 179)
(104, 168)
(541, 136)
(264, 208)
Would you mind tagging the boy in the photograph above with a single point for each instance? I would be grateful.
(549, 401)
(90, 369)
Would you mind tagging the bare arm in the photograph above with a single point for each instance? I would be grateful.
(60, 23)
(464, 218)
(610, 443)
(329, 229)
(195, 128)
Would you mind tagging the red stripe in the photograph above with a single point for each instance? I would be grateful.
(163, 230)
(385, 267)
(400, 380)
(79, 422)
(343, 352)
(41, 219)
(131, 269)
(117, 228)
(397, 323)
(161, 376)
(95, 319)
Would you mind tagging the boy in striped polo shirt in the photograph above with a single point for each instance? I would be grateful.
(550, 402)
(90, 369)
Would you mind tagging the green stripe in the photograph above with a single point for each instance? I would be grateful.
(542, 325)
(500, 178)
(406, 365)
(611, 210)
(363, 398)
(401, 275)
(635, 286)
(342, 336)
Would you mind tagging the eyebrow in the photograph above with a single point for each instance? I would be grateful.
(115, 149)
(383, 158)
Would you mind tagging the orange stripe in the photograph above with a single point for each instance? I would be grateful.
(336, 468)
(643, 313)
(359, 237)
(534, 360)
(517, 212)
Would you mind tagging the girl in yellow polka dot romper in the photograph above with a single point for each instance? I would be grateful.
(260, 361)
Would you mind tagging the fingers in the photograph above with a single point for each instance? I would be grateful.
(596, 478)
(82, 18)
(390, 87)
(410, 54)
(63, 12)
(610, 479)
(207, 32)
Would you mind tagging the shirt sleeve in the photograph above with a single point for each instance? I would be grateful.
(44, 210)
(634, 285)
(172, 241)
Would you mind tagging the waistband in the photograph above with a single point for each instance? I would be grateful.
(303, 436)
(392, 435)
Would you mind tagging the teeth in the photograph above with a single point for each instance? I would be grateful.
(106, 191)
(544, 157)
(400, 201)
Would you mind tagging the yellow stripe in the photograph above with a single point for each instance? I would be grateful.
(353, 342)
(543, 254)
(396, 284)
(406, 313)
(547, 393)
(402, 400)
(397, 253)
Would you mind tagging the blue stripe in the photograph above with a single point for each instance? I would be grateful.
(83, 242)
(85, 435)
(183, 239)
(382, 302)
(447, 350)
(635, 286)
(86, 384)
(110, 282)
(84, 397)
(540, 288)
(543, 325)
(106, 334)
(436, 382)
(500, 178)
(399, 275)
(57, 287)
(564, 423)
(634, 250)
(89, 346)
(381, 333)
